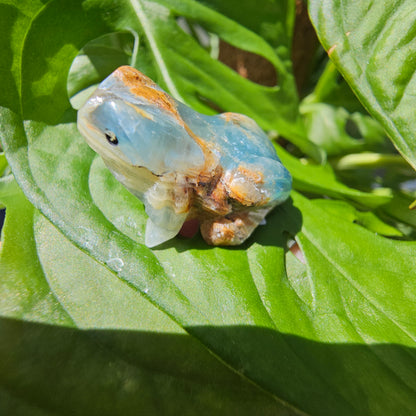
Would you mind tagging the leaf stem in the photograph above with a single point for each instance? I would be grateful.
(368, 160)
(325, 82)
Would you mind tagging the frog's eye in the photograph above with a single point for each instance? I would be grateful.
(111, 137)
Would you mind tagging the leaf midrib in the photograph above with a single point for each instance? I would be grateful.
(146, 25)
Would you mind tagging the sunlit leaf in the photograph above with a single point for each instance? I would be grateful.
(320, 179)
(85, 342)
(185, 327)
(373, 46)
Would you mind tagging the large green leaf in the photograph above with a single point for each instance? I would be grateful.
(243, 304)
(320, 179)
(118, 338)
(339, 132)
(331, 336)
(272, 20)
(24, 292)
(373, 45)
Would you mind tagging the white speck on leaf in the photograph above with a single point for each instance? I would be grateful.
(115, 264)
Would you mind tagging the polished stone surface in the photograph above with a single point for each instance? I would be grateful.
(221, 170)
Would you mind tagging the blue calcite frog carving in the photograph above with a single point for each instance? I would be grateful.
(220, 170)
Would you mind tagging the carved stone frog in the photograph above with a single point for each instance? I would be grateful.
(220, 170)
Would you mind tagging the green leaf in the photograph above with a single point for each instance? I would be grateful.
(131, 354)
(332, 89)
(97, 60)
(320, 179)
(373, 46)
(327, 337)
(339, 132)
(241, 303)
(349, 275)
(273, 21)
(367, 219)
(3, 163)
(24, 291)
(399, 209)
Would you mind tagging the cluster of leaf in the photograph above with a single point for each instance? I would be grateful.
(93, 322)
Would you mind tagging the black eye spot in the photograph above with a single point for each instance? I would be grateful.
(111, 137)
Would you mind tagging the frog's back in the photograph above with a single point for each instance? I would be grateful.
(241, 145)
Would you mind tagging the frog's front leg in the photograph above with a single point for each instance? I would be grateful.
(167, 204)
(233, 229)
(162, 225)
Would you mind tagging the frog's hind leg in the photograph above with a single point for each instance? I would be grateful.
(233, 229)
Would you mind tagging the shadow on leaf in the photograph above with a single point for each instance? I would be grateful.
(283, 220)
(108, 372)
